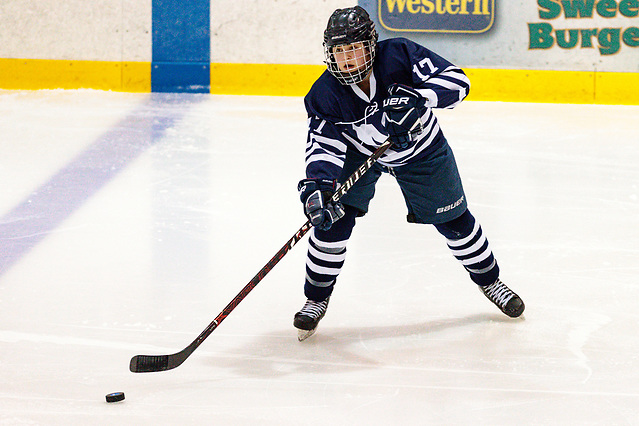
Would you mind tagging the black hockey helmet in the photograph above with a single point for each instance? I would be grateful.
(347, 26)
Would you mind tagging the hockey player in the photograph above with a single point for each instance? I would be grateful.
(370, 92)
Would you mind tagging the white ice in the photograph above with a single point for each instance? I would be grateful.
(129, 221)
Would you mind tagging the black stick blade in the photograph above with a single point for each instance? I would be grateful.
(149, 363)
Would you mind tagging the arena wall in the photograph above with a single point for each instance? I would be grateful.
(577, 51)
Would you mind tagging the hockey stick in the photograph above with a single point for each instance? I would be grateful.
(152, 363)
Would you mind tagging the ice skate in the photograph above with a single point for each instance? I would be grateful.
(307, 319)
(504, 298)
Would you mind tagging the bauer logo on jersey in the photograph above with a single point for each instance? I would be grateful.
(445, 16)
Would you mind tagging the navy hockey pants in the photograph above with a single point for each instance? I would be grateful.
(433, 192)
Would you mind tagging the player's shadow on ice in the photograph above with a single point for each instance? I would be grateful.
(334, 349)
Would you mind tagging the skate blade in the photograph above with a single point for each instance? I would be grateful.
(305, 334)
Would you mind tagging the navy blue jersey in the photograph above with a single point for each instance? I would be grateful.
(344, 116)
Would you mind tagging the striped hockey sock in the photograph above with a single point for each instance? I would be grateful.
(324, 262)
(468, 244)
(474, 253)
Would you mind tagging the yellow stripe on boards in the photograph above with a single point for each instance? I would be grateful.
(35, 74)
(136, 76)
(263, 79)
(617, 88)
(578, 87)
(531, 86)
(581, 87)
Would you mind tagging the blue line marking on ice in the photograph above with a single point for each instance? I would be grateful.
(48, 206)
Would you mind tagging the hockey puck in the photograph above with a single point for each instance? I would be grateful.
(115, 397)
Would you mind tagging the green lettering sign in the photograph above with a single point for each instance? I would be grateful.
(548, 9)
(629, 8)
(586, 37)
(631, 37)
(609, 41)
(578, 8)
(540, 36)
(573, 38)
(607, 8)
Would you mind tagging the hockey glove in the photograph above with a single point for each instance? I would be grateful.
(318, 206)
(402, 112)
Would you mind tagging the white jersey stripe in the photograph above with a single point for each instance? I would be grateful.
(325, 157)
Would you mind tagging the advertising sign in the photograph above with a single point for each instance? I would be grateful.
(443, 16)
(557, 35)
(606, 25)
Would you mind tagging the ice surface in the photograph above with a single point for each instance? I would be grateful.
(128, 222)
